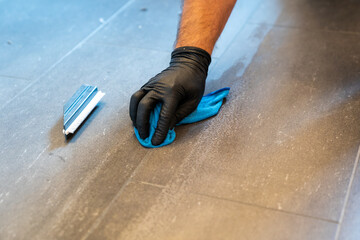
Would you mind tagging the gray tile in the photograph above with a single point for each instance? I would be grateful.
(35, 34)
(274, 164)
(10, 87)
(350, 226)
(288, 134)
(151, 25)
(147, 29)
(189, 216)
(314, 15)
(126, 210)
(47, 181)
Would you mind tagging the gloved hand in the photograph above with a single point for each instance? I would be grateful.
(179, 88)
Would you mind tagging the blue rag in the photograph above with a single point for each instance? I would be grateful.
(209, 106)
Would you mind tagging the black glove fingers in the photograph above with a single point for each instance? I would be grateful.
(145, 107)
(167, 115)
(184, 110)
(134, 103)
(183, 81)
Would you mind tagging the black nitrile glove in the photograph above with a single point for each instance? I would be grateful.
(179, 89)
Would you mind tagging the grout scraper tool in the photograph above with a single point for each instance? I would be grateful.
(79, 107)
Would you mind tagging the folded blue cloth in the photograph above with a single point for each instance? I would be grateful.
(209, 106)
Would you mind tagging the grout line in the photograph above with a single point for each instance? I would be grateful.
(70, 52)
(152, 184)
(15, 77)
(347, 196)
(38, 157)
(116, 197)
(267, 208)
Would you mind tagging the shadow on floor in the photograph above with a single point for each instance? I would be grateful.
(58, 140)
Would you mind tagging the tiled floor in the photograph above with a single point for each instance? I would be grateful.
(280, 161)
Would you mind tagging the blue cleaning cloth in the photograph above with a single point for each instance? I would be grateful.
(209, 106)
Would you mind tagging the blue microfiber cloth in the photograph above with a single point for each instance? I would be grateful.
(209, 106)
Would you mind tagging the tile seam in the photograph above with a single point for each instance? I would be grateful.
(15, 77)
(246, 204)
(98, 221)
(266, 208)
(151, 184)
(121, 9)
(347, 196)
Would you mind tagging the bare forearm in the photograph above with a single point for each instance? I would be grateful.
(202, 22)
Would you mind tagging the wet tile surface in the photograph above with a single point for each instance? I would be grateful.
(276, 162)
(327, 15)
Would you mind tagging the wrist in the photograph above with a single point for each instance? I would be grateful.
(191, 55)
(206, 46)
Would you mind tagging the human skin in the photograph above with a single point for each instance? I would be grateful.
(202, 22)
